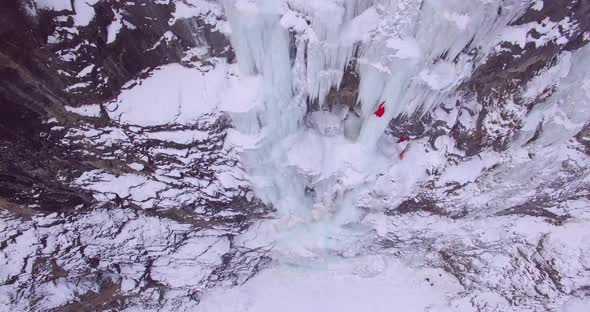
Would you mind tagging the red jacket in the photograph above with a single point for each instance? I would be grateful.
(380, 111)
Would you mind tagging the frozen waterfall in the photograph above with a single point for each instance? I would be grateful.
(409, 54)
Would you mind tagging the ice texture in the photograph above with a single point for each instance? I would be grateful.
(409, 54)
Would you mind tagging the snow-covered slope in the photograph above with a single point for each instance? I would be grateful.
(224, 155)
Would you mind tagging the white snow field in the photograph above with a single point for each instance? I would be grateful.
(176, 94)
(371, 283)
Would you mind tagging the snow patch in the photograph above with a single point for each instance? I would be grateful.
(86, 110)
(177, 94)
(56, 5)
(180, 137)
(85, 71)
(371, 283)
(538, 5)
(136, 166)
(140, 188)
(114, 28)
(84, 12)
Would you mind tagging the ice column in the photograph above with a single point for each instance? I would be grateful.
(261, 45)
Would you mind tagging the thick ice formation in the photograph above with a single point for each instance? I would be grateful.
(410, 54)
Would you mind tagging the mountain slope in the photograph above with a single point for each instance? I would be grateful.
(174, 155)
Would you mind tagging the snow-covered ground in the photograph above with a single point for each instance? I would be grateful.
(370, 283)
(176, 94)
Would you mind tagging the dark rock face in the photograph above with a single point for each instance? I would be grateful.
(348, 92)
(30, 93)
(584, 138)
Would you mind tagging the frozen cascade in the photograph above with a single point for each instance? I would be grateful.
(410, 54)
(276, 169)
(255, 32)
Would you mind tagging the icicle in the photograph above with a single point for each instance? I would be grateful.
(261, 44)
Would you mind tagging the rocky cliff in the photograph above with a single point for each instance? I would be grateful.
(157, 155)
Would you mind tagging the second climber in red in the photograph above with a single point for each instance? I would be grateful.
(404, 145)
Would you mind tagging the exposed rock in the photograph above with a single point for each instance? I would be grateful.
(102, 214)
(584, 138)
